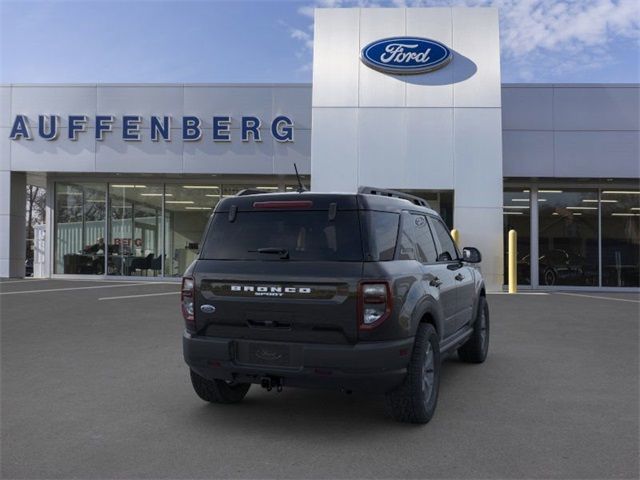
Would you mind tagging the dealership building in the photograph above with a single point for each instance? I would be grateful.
(132, 171)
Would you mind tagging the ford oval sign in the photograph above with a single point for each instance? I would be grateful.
(405, 55)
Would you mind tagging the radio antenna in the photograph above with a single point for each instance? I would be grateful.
(300, 186)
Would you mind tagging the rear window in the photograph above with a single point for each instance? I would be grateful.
(304, 235)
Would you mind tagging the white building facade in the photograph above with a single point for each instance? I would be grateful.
(132, 171)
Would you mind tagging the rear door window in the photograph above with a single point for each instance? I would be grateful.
(304, 235)
(447, 250)
(407, 250)
(416, 241)
(426, 248)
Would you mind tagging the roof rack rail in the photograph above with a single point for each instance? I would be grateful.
(252, 191)
(395, 194)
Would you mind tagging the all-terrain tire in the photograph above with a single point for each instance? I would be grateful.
(218, 391)
(415, 400)
(476, 348)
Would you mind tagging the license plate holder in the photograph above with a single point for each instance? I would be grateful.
(264, 353)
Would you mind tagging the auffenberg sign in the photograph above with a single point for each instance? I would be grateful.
(49, 127)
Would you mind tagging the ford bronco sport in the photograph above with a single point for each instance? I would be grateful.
(357, 292)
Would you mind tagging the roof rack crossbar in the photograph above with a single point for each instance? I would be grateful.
(395, 194)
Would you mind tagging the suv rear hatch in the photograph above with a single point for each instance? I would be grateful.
(282, 268)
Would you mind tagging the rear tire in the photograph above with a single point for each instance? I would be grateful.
(476, 348)
(218, 391)
(415, 400)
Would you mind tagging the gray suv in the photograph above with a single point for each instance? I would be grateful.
(356, 292)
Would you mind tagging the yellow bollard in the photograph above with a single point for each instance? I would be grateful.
(513, 265)
(455, 234)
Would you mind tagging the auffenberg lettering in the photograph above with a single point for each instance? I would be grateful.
(134, 128)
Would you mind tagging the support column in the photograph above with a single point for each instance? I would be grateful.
(534, 252)
(12, 223)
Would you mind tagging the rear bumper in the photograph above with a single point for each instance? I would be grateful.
(366, 367)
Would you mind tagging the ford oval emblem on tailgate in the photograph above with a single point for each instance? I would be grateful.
(207, 308)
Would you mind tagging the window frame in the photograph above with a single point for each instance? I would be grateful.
(439, 247)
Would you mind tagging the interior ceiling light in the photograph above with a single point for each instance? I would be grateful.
(517, 206)
(180, 201)
(625, 214)
(512, 213)
(582, 208)
(129, 186)
(589, 200)
(201, 187)
(621, 192)
(197, 208)
(550, 191)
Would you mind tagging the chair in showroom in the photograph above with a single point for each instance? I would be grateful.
(142, 264)
(156, 265)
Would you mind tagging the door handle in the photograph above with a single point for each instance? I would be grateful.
(459, 277)
(435, 282)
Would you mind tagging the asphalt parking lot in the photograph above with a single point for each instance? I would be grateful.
(95, 387)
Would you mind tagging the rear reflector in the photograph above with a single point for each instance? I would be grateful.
(284, 204)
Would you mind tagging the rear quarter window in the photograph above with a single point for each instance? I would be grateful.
(381, 233)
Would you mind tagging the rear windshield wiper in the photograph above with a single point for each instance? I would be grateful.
(283, 252)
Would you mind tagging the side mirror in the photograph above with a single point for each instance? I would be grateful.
(471, 255)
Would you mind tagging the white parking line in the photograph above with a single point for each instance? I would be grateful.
(138, 296)
(23, 280)
(74, 288)
(598, 297)
(518, 293)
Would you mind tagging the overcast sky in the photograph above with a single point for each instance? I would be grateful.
(271, 41)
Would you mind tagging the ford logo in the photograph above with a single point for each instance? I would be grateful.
(207, 308)
(405, 55)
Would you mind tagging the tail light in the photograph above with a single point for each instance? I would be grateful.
(187, 302)
(375, 303)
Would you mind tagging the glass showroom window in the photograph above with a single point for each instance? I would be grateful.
(568, 237)
(187, 209)
(517, 216)
(135, 217)
(620, 238)
(79, 228)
